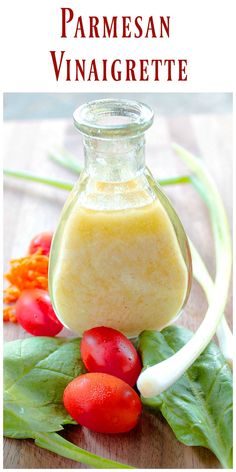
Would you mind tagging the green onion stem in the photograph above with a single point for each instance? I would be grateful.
(55, 443)
(65, 159)
(23, 175)
(68, 160)
(182, 179)
(203, 277)
(156, 379)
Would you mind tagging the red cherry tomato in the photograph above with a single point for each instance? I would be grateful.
(35, 314)
(109, 351)
(41, 242)
(102, 403)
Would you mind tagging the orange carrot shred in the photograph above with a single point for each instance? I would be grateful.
(27, 272)
(9, 314)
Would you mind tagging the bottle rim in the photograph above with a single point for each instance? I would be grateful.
(109, 118)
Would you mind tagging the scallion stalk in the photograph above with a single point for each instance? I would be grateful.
(55, 443)
(65, 159)
(156, 379)
(202, 276)
(23, 175)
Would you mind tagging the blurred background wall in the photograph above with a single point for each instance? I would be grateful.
(19, 106)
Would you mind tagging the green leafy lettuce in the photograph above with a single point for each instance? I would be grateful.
(198, 407)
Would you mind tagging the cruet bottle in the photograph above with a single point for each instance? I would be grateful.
(120, 256)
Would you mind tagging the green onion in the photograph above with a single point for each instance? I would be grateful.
(23, 175)
(65, 159)
(202, 276)
(156, 379)
(57, 444)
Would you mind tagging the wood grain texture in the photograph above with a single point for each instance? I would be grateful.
(32, 208)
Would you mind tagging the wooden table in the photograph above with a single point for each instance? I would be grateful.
(32, 208)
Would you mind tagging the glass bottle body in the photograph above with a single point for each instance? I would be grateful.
(120, 256)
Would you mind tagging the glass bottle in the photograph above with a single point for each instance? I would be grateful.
(120, 256)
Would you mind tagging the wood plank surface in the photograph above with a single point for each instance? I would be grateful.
(32, 208)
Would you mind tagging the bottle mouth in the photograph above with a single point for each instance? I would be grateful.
(109, 118)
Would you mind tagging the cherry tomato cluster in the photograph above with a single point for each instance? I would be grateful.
(103, 400)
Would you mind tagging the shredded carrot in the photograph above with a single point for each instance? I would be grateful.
(9, 314)
(27, 272)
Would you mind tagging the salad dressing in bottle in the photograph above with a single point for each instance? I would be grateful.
(120, 256)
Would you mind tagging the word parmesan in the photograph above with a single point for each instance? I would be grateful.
(115, 27)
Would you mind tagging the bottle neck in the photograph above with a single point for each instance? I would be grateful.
(114, 160)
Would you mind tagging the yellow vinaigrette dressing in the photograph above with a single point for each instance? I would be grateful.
(116, 258)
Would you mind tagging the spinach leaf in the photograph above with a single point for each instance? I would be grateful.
(36, 372)
(198, 407)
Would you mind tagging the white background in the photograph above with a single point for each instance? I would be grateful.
(200, 30)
